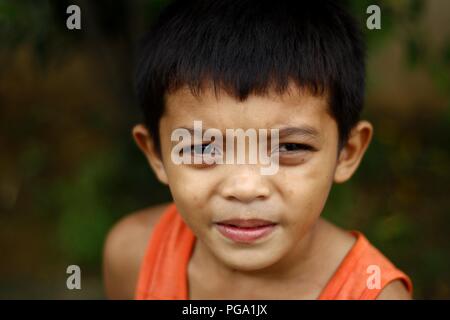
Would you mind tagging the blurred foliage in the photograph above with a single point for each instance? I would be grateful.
(70, 168)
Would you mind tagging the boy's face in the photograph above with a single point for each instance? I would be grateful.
(293, 198)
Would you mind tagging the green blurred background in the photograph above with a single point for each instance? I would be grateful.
(69, 167)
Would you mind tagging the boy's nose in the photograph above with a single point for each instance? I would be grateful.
(245, 185)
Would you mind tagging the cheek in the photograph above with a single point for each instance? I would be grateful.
(190, 205)
(187, 187)
(305, 189)
(190, 191)
(309, 180)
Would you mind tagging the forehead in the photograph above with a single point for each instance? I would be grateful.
(293, 107)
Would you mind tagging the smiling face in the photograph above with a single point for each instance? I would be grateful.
(293, 198)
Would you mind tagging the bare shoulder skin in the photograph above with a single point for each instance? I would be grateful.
(395, 290)
(124, 249)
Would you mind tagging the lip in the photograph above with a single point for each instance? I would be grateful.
(245, 231)
(246, 223)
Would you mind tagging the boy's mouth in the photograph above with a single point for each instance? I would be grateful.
(245, 231)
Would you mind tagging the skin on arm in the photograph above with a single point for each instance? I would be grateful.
(395, 290)
(124, 250)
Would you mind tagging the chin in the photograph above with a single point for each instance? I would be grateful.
(249, 260)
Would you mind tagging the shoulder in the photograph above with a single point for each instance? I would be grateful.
(395, 290)
(350, 262)
(124, 250)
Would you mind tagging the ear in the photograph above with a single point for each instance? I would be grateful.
(351, 154)
(145, 142)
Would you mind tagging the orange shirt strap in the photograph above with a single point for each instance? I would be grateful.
(163, 269)
(363, 263)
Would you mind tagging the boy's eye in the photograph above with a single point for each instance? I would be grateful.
(294, 147)
(205, 148)
(202, 149)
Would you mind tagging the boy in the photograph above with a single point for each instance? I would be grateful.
(232, 232)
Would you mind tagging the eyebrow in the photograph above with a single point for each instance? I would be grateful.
(303, 131)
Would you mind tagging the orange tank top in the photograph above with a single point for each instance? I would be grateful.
(163, 273)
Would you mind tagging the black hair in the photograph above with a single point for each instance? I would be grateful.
(250, 46)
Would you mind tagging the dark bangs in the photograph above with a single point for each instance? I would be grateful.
(250, 47)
